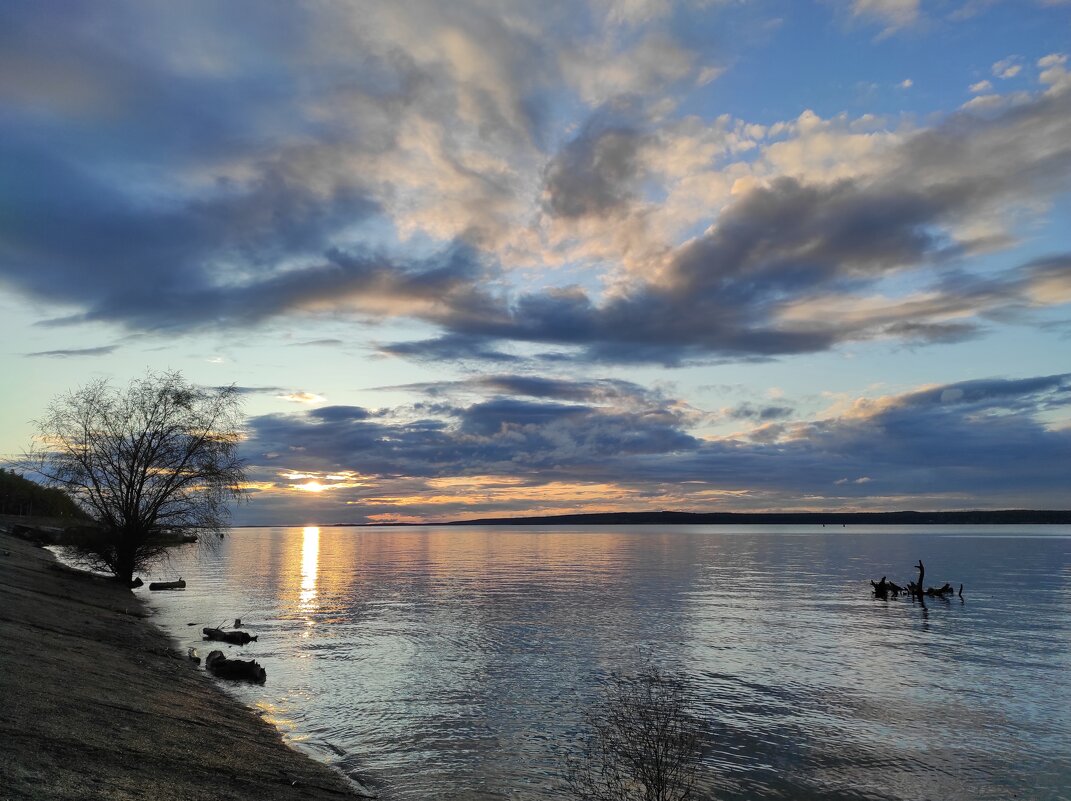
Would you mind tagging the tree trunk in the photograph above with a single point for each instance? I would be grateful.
(124, 564)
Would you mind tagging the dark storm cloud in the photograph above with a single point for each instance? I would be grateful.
(954, 440)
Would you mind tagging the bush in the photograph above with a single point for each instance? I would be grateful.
(641, 744)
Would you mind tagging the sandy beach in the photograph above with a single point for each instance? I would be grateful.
(98, 704)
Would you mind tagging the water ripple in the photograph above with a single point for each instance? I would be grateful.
(456, 663)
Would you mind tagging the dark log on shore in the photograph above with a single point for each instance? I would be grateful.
(167, 585)
(240, 669)
(232, 637)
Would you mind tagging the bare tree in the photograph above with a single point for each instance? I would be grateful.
(158, 455)
(642, 745)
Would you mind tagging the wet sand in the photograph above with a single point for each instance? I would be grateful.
(96, 703)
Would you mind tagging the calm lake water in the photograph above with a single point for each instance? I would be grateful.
(457, 662)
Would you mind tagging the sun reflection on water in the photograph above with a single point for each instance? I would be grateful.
(310, 557)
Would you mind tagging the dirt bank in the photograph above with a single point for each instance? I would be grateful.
(96, 704)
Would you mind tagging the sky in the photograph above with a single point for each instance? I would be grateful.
(491, 258)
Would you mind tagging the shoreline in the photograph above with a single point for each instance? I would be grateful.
(99, 703)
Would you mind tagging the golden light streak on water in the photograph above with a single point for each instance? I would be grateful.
(310, 558)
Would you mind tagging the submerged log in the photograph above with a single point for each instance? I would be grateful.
(232, 637)
(940, 592)
(241, 669)
(167, 585)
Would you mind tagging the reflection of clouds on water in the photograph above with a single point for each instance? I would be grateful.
(462, 658)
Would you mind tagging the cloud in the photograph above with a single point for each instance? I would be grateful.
(1054, 73)
(449, 348)
(302, 396)
(602, 390)
(66, 353)
(942, 446)
(500, 434)
(339, 414)
(359, 283)
(746, 288)
(781, 273)
(314, 343)
(750, 411)
(420, 162)
(1007, 67)
(596, 172)
(253, 390)
(894, 14)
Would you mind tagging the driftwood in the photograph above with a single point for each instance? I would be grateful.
(884, 588)
(242, 669)
(167, 585)
(940, 592)
(135, 583)
(233, 637)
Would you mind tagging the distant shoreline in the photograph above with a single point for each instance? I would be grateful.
(669, 518)
(1006, 516)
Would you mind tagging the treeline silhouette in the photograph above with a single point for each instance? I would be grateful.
(977, 517)
(22, 497)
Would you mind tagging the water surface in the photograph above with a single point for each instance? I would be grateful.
(457, 662)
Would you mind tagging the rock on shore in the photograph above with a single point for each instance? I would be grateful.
(97, 703)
